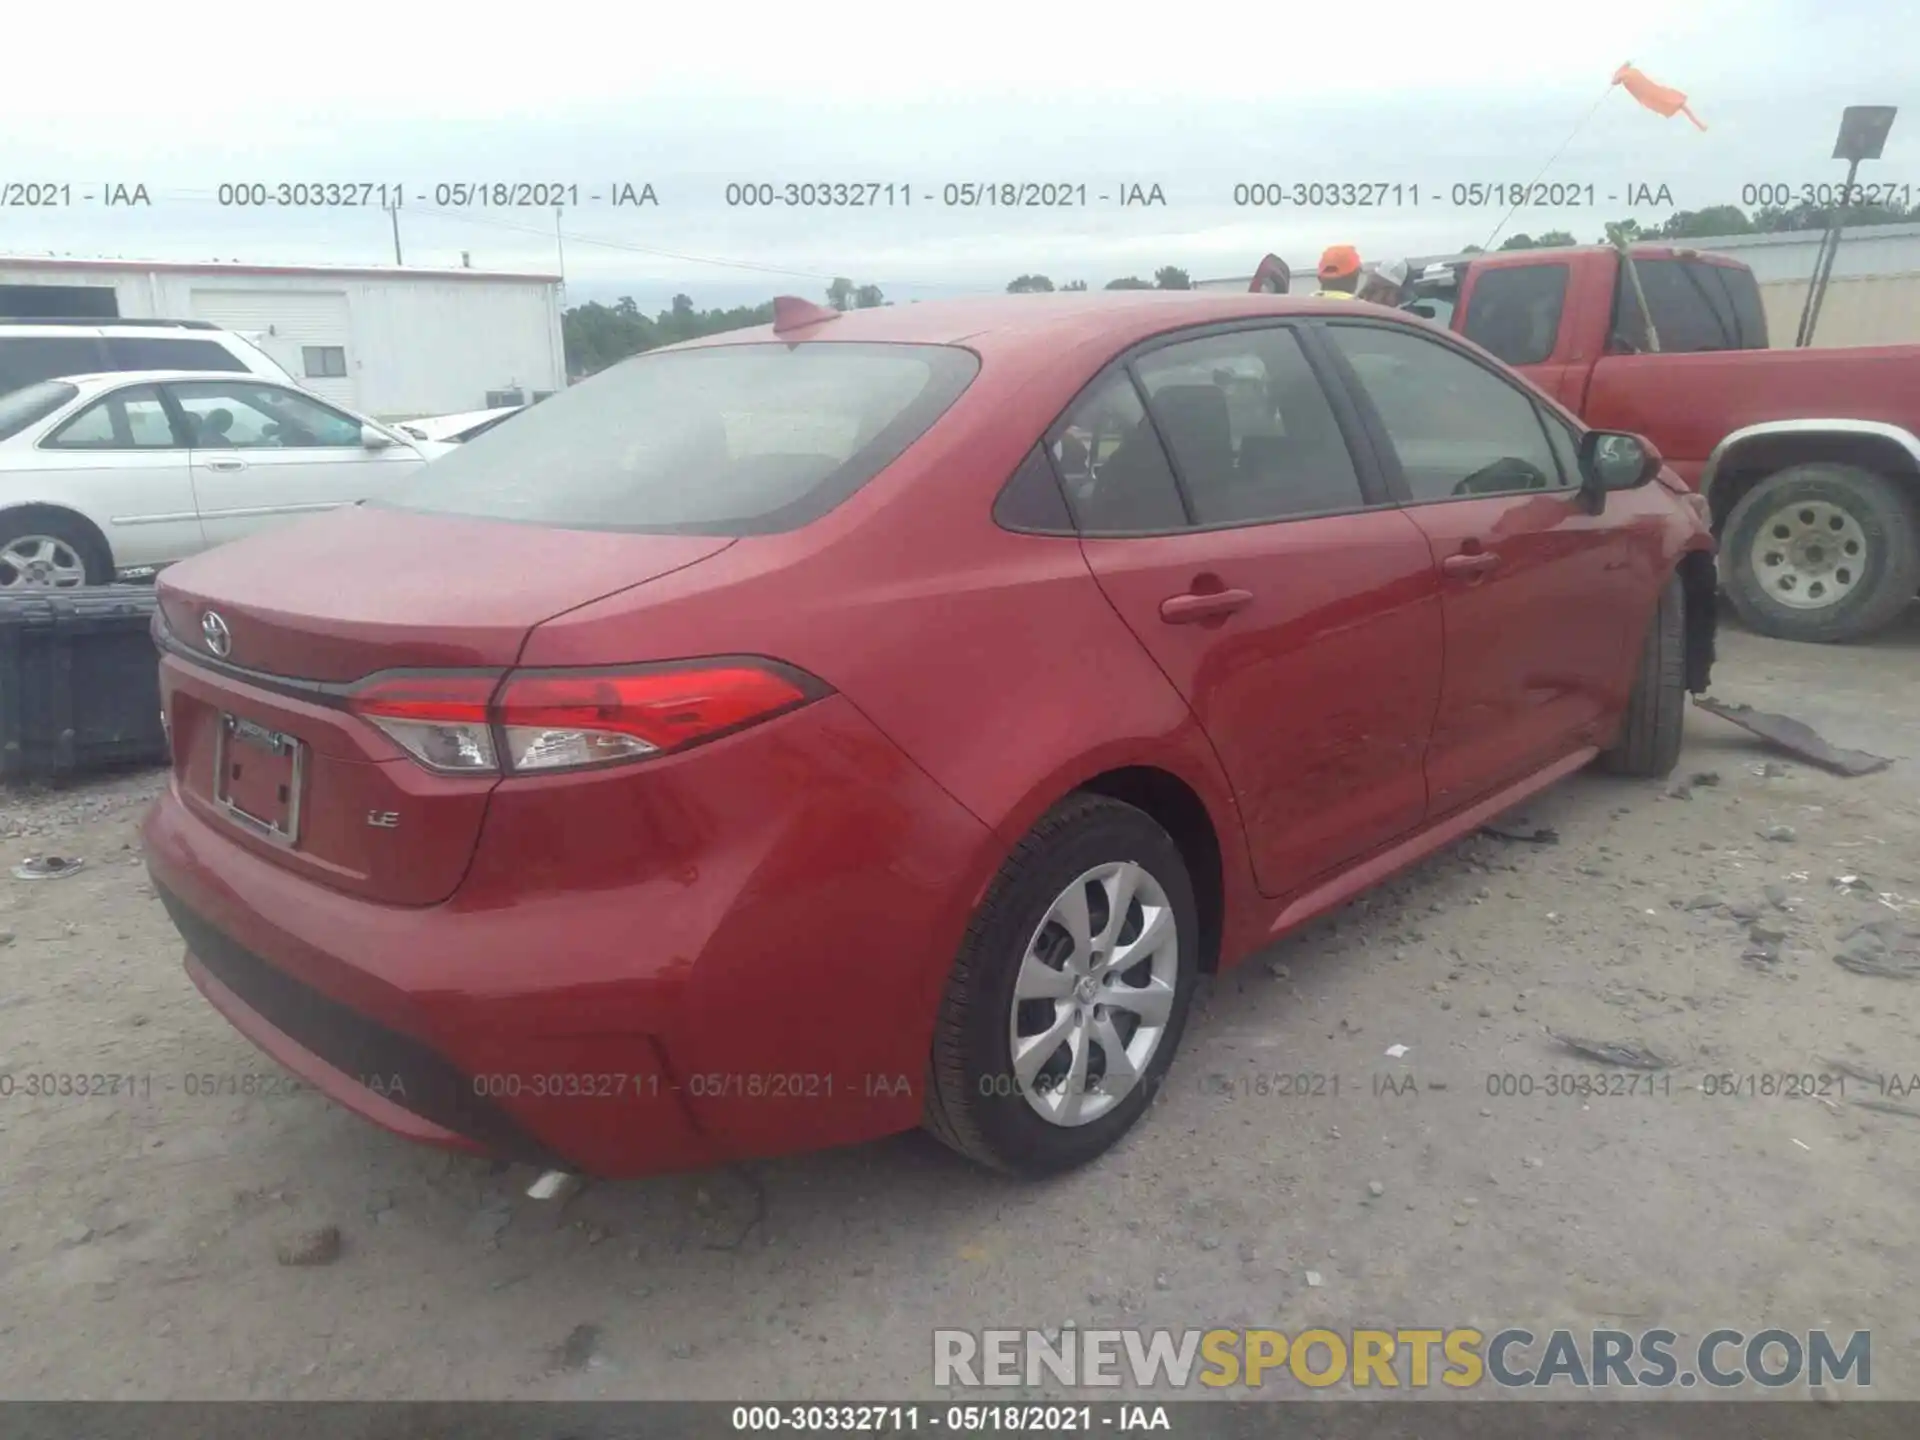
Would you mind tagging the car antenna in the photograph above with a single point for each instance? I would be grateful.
(790, 312)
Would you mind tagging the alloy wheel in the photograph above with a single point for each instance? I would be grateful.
(1095, 991)
(40, 562)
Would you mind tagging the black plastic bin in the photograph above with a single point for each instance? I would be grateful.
(79, 681)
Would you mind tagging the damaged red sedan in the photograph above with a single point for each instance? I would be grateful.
(883, 719)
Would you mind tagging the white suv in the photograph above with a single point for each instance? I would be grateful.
(35, 350)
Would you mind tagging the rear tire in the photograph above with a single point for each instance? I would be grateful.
(1823, 553)
(980, 1100)
(1651, 731)
(49, 549)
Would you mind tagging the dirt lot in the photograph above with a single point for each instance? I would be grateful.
(141, 1233)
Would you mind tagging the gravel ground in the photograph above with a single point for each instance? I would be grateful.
(179, 1243)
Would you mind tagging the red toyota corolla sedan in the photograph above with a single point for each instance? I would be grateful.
(883, 719)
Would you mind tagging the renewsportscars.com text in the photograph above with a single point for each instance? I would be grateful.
(1412, 1358)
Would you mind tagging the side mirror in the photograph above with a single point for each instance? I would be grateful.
(1614, 460)
(375, 439)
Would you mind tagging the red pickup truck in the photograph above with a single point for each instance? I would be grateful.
(1810, 458)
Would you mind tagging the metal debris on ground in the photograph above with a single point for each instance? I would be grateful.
(47, 867)
(1544, 835)
(1612, 1052)
(1795, 737)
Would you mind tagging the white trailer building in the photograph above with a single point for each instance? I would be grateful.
(388, 341)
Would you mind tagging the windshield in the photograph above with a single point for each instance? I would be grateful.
(725, 440)
(21, 408)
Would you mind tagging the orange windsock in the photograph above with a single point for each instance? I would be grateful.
(1661, 99)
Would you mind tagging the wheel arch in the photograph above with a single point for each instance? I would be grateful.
(1749, 455)
(89, 528)
(1176, 807)
(1700, 586)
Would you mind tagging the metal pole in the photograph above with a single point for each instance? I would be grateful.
(394, 212)
(1816, 297)
(561, 241)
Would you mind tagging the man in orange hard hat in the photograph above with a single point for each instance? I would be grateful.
(1339, 273)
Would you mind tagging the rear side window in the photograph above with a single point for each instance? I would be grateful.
(1694, 308)
(1250, 429)
(721, 440)
(129, 419)
(27, 358)
(157, 352)
(1110, 463)
(1515, 311)
(31, 404)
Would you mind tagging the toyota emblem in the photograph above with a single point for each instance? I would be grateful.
(214, 631)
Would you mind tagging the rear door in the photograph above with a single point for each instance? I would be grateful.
(121, 461)
(263, 454)
(1226, 517)
(1539, 594)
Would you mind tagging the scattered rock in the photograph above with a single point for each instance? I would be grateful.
(1376, 1189)
(1314, 1280)
(1161, 1282)
(574, 1352)
(1486, 1012)
(1762, 933)
(1209, 1242)
(1888, 948)
(1779, 834)
(1279, 971)
(6, 938)
(682, 1351)
(1745, 910)
(1680, 790)
(380, 1202)
(1705, 778)
(75, 1232)
(1707, 900)
(492, 1220)
(318, 1246)
(1777, 897)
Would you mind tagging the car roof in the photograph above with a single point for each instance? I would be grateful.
(1012, 323)
(148, 377)
(59, 323)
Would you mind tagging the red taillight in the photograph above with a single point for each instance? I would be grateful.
(440, 720)
(564, 719)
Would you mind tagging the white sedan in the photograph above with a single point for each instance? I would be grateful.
(105, 476)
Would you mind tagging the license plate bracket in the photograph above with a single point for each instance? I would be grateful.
(257, 775)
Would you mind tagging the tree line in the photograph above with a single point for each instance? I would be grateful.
(598, 335)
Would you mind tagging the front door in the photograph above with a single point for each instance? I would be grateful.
(263, 454)
(1297, 613)
(1537, 591)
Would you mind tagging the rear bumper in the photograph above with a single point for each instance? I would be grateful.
(730, 953)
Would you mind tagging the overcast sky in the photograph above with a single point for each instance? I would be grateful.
(690, 98)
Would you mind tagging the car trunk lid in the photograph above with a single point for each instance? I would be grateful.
(265, 639)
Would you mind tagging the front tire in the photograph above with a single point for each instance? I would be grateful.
(1069, 995)
(1824, 553)
(1655, 722)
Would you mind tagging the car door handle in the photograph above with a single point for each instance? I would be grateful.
(225, 464)
(1476, 562)
(1186, 609)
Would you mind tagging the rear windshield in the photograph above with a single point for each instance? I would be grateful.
(20, 408)
(723, 440)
